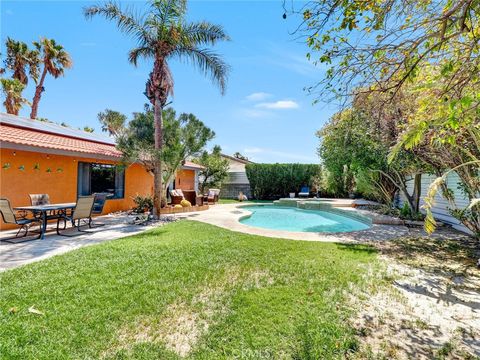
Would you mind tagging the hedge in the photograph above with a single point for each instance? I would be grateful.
(273, 181)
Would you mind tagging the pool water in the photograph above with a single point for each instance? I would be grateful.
(294, 219)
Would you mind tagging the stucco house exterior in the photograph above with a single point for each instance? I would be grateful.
(237, 178)
(39, 157)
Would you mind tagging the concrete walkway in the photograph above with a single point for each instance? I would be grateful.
(14, 255)
(228, 215)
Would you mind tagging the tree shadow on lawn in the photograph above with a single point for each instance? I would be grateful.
(356, 248)
(444, 250)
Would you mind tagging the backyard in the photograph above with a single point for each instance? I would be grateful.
(147, 215)
(189, 289)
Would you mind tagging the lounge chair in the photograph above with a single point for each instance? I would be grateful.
(304, 192)
(212, 196)
(10, 217)
(81, 212)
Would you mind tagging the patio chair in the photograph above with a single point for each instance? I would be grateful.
(98, 205)
(211, 196)
(81, 212)
(42, 199)
(304, 192)
(39, 199)
(193, 197)
(177, 196)
(10, 217)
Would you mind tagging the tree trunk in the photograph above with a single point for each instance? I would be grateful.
(158, 175)
(417, 189)
(38, 94)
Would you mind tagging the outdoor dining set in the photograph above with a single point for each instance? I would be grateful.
(41, 211)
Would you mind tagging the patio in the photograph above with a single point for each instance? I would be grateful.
(14, 255)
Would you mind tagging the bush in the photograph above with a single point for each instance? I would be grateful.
(272, 181)
(185, 203)
(142, 203)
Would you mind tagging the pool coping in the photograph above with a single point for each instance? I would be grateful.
(227, 216)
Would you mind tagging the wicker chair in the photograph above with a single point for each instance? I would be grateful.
(211, 197)
(10, 217)
(193, 197)
(177, 196)
(82, 211)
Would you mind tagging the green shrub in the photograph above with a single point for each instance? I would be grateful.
(272, 181)
(142, 203)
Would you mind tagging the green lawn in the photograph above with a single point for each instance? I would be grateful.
(186, 289)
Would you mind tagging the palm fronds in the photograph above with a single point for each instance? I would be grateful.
(127, 22)
(207, 62)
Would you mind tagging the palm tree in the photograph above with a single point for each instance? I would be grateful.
(55, 60)
(162, 34)
(18, 58)
(12, 89)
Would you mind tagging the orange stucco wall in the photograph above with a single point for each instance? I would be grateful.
(185, 180)
(60, 183)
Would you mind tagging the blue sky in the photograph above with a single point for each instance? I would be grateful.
(265, 113)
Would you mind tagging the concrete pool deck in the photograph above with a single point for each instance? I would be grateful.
(228, 215)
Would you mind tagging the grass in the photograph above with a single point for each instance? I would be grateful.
(186, 289)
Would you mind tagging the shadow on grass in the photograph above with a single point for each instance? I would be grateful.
(442, 248)
(356, 248)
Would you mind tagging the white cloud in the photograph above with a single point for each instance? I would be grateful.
(258, 96)
(281, 104)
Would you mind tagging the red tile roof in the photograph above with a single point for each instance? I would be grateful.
(31, 137)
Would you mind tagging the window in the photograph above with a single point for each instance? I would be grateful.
(101, 178)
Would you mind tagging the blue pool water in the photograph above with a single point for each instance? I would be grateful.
(294, 219)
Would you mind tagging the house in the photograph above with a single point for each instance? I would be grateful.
(237, 178)
(38, 157)
(441, 207)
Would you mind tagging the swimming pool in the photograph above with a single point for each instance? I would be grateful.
(295, 219)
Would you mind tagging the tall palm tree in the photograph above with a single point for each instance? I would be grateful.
(55, 60)
(162, 34)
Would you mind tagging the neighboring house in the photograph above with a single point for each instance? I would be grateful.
(440, 209)
(237, 179)
(39, 157)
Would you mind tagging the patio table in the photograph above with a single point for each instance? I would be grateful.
(43, 209)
